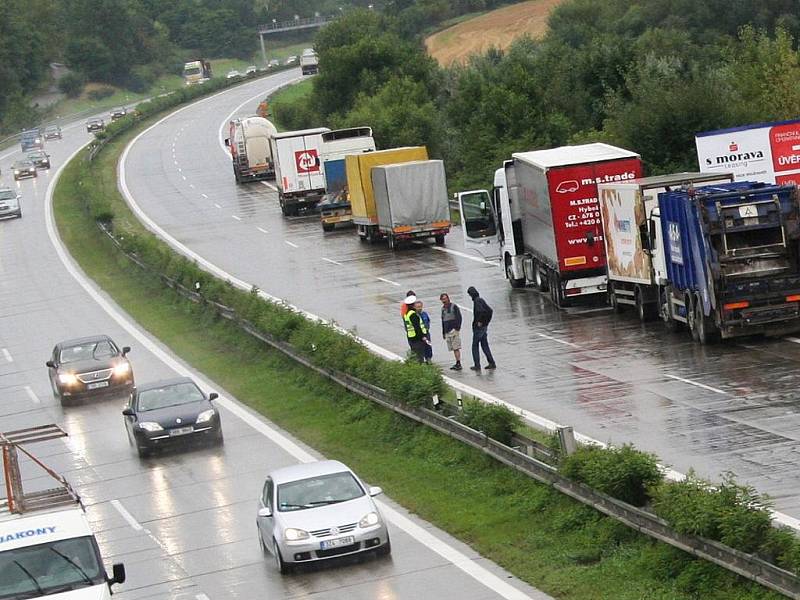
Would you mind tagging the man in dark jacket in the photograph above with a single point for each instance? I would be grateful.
(451, 328)
(481, 317)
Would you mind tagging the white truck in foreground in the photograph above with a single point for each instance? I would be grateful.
(47, 548)
(299, 173)
(251, 153)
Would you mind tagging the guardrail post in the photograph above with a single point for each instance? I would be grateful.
(459, 400)
(566, 439)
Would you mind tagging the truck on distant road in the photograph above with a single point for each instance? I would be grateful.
(543, 217)
(197, 71)
(298, 169)
(31, 139)
(636, 268)
(359, 185)
(309, 62)
(251, 151)
(731, 258)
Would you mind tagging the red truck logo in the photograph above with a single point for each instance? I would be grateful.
(570, 185)
(307, 161)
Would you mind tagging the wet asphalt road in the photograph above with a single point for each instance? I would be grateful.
(183, 522)
(729, 407)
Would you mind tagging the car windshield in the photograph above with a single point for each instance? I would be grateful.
(52, 129)
(169, 395)
(88, 351)
(35, 571)
(36, 156)
(191, 71)
(23, 164)
(318, 491)
(8, 195)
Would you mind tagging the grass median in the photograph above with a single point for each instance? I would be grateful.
(544, 538)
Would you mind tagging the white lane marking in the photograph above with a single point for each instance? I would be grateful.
(126, 515)
(465, 255)
(184, 177)
(389, 281)
(292, 244)
(202, 597)
(333, 262)
(32, 395)
(270, 186)
(697, 384)
(204, 196)
(176, 162)
(794, 340)
(179, 170)
(262, 230)
(217, 205)
(191, 185)
(7, 355)
(554, 339)
(236, 217)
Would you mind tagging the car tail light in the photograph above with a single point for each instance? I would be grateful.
(572, 291)
(736, 305)
(793, 298)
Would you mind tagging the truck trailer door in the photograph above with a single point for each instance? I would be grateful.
(478, 222)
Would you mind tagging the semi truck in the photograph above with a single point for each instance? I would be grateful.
(309, 62)
(636, 269)
(542, 220)
(335, 206)
(47, 547)
(299, 173)
(411, 201)
(251, 152)
(31, 139)
(731, 259)
(196, 72)
(359, 185)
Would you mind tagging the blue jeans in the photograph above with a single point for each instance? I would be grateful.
(479, 336)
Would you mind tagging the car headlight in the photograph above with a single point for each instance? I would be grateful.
(369, 519)
(16, 172)
(150, 426)
(206, 415)
(67, 378)
(122, 368)
(292, 535)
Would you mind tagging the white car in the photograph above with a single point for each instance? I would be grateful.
(251, 69)
(316, 511)
(233, 74)
(9, 204)
(291, 60)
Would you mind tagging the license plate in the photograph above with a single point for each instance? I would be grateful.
(96, 385)
(181, 431)
(328, 544)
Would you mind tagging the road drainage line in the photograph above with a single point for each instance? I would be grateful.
(698, 384)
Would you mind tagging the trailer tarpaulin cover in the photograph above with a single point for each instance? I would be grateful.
(411, 194)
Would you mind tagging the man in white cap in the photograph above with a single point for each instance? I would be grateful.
(416, 332)
(405, 305)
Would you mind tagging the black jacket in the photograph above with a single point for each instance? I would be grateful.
(482, 312)
(451, 324)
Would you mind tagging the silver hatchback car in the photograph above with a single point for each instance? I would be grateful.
(318, 510)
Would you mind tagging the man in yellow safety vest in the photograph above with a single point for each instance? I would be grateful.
(416, 332)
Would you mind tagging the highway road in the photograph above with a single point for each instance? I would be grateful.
(183, 522)
(730, 407)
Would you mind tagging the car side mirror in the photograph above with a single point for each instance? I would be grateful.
(50, 364)
(128, 412)
(375, 491)
(125, 350)
(264, 512)
(213, 396)
(117, 574)
(644, 236)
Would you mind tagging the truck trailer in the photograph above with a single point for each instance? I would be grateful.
(299, 173)
(196, 72)
(251, 152)
(411, 201)
(731, 257)
(31, 139)
(309, 62)
(543, 217)
(359, 185)
(636, 269)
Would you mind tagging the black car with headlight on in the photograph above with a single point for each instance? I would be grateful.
(40, 159)
(89, 366)
(23, 169)
(171, 411)
(95, 124)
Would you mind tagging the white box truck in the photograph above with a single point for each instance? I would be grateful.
(299, 174)
(309, 62)
(47, 548)
(251, 153)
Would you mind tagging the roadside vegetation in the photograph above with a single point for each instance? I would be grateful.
(543, 537)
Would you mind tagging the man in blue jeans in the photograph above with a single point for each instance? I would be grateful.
(481, 317)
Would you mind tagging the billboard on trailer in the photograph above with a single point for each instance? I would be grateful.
(767, 152)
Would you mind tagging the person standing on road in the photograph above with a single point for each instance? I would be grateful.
(426, 320)
(404, 306)
(416, 332)
(451, 328)
(482, 316)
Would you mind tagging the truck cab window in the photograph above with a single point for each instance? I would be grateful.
(478, 217)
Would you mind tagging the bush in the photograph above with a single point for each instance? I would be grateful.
(495, 420)
(101, 93)
(410, 382)
(140, 79)
(72, 84)
(624, 473)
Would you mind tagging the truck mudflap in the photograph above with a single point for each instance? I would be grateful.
(585, 285)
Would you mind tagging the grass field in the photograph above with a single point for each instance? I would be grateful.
(496, 28)
(287, 95)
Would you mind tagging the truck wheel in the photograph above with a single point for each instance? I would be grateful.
(670, 324)
(555, 290)
(612, 299)
(328, 226)
(643, 309)
(539, 278)
(439, 240)
(691, 318)
(392, 242)
(515, 283)
(706, 328)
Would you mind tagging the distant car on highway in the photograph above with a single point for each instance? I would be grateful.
(118, 113)
(251, 69)
(23, 168)
(9, 204)
(291, 60)
(273, 63)
(171, 411)
(89, 366)
(316, 511)
(233, 74)
(40, 159)
(95, 124)
(52, 132)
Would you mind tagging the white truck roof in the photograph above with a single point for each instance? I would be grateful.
(573, 155)
(290, 134)
(659, 181)
(29, 529)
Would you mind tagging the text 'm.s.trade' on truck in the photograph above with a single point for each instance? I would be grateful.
(542, 219)
(47, 548)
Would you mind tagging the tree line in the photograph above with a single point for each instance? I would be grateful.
(643, 74)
